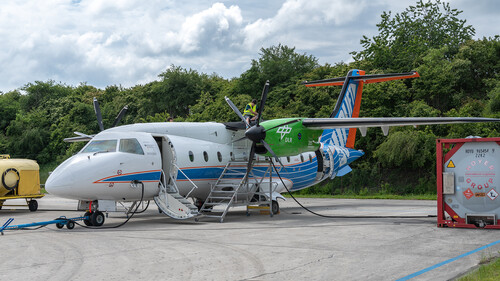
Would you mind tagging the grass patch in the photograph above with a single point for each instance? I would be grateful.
(45, 169)
(486, 272)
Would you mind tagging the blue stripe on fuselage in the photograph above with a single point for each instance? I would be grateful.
(147, 176)
(302, 174)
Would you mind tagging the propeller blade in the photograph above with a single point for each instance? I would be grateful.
(240, 139)
(250, 159)
(268, 147)
(283, 124)
(262, 101)
(97, 110)
(235, 109)
(120, 116)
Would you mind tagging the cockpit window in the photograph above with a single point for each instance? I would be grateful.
(100, 146)
(131, 146)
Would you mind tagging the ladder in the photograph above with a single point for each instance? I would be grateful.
(172, 204)
(233, 186)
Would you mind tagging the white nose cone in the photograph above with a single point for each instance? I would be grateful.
(62, 180)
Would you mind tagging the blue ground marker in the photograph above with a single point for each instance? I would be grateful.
(447, 261)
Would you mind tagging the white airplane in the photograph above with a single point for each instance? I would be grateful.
(220, 163)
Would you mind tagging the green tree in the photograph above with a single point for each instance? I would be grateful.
(178, 89)
(404, 38)
(407, 149)
(278, 64)
(9, 106)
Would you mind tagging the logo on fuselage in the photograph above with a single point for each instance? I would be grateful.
(283, 131)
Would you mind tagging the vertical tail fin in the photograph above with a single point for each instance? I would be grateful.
(349, 101)
(348, 104)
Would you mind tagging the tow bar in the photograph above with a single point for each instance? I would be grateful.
(59, 222)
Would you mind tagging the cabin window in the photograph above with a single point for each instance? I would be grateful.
(219, 156)
(310, 158)
(191, 156)
(301, 158)
(100, 146)
(131, 146)
(205, 156)
(288, 159)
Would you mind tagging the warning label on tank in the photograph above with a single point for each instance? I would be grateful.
(468, 194)
(492, 194)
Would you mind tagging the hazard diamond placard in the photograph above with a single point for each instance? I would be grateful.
(468, 194)
(493, 194)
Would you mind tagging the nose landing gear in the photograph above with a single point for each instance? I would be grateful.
(94, 218)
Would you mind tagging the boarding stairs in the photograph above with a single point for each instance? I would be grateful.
(235, 187)
(171, 203)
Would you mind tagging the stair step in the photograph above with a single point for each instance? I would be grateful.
(220, 197)
(213, 216)
(223, 192)
(228, 182)
(205, 210)
(212, 203)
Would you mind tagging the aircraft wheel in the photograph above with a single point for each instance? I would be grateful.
(88, 222)
(275, 207)
(97, 218)
(33, 205)
(59, 225)
(70, 224)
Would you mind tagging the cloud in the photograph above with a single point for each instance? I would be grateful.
(108, 42)
(217, 27)
(301, 14)
(128, 42)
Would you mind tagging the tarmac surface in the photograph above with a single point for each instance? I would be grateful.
(366, 240)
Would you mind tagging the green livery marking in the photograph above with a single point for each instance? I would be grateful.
(290, 139)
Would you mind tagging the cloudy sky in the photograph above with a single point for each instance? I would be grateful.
(130, 42)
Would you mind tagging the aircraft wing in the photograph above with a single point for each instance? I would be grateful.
(386, 122)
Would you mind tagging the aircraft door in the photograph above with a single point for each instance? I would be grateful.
(168, 158)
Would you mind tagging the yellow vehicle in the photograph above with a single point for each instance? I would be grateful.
(20, 178)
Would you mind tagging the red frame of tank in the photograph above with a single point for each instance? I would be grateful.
(441, 159)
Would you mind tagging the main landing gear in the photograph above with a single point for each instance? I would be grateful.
(94, 218)
(275, 207)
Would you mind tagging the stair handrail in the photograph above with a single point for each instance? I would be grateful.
(194, 185)
(164, 182)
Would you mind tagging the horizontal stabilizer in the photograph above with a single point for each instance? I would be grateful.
(367, 79)
(344, 171)
(81, 137)
(328, 123)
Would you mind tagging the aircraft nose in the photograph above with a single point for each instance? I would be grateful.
(63, 179)
(59, 183)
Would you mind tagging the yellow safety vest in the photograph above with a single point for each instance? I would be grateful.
(248, 112)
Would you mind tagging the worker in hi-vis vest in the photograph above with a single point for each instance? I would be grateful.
(250, 112)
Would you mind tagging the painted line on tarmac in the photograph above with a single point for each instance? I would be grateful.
(447, 261)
